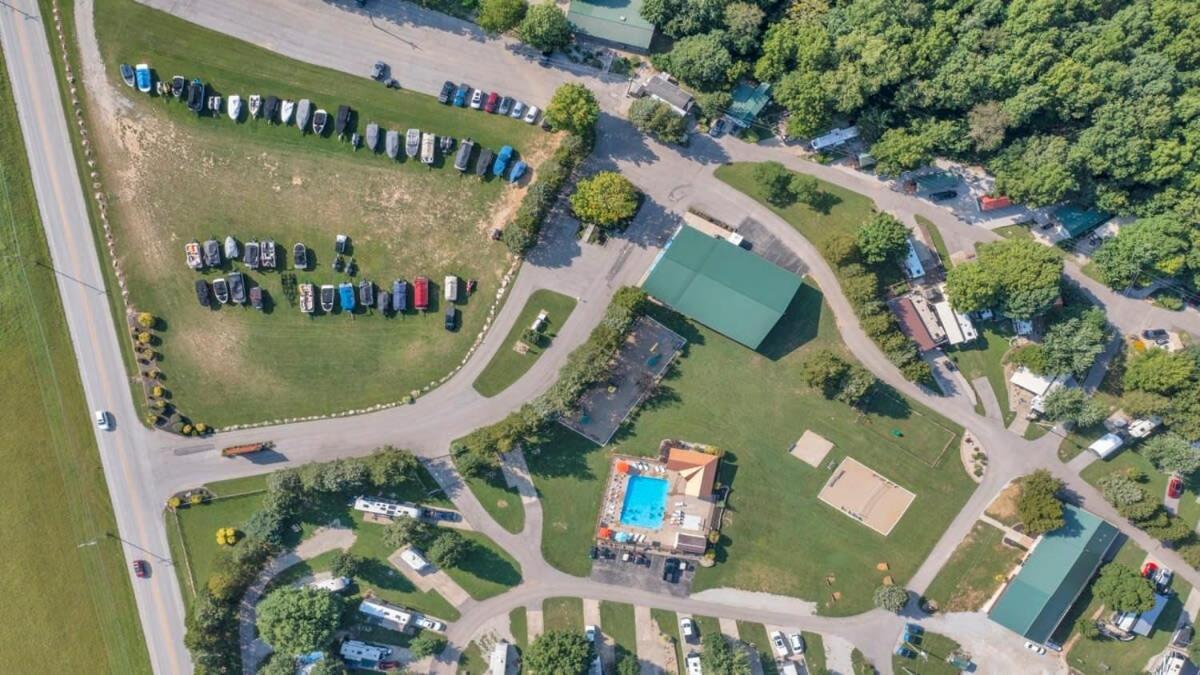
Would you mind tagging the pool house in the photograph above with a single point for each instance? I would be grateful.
(666, 505)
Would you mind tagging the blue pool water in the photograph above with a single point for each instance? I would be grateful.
(645, 502)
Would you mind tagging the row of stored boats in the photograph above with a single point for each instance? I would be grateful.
(394, 301)
(256, 254)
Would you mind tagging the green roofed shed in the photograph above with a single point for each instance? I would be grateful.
(748, 102)
(723, 286)
(1079, 221)
(616, 21)
(1054, 575)
(940, 180)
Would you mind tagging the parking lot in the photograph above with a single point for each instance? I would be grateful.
(646, 575)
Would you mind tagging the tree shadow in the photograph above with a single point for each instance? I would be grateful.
(885, 401)
(562, 453)
(797, 326)
(484, 563)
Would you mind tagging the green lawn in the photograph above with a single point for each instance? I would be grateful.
(404, 220)
(974, 571)
(939, 244)
(814, 653)
(860, 664)
(507, 366)
(562, 614)
(668, 622)
(518, 623)
(55, 495)
(1014, 232)
(984, 357)
(706, 624)
(472, 662)
(386, 581)
(488, 571)
(502, 502)
(1155, 486)
(932, 658)
(755, 634)
(616, 620)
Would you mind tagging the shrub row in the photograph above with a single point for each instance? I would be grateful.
(522, 233)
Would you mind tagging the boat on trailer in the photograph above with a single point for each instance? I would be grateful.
(127, 74)
(221, 290)
(255, 105)
(399, 296)
(327, 295)
(271, 108)
(286, 110)
(342, 120)
(428, 152)
(231, 247)
(212, 253)
(191, 251)
(267, 255)
(251, 255)
(346, 291)
(385, 300)
(373, 137)
(237, 287)
(235, 107)
(304, 114)
(202, 293)
(393, 144)
(141, 73)
(196, 100)
(366, 293)
(214, 104)
(300, 256)
(256, 297)
(412, 142)
(306, 298)
(177, 86)
(320, 120)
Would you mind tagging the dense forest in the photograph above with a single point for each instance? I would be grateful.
(1096, 101)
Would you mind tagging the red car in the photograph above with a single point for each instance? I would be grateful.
(1149, 569)
(493, 100)
(141, 569)
(1175, 487)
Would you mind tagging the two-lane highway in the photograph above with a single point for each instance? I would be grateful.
(63, 209)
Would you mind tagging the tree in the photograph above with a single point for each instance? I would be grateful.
(449, 549)
(1171, 453)
(1157, 245)
(1071, 346)
(545, 27)
(556, 652)
(426, 644)
(346, 564)
(1123, 590)
(1158, 371)
(1121, 490)
(775, 182)
(498, 16)
(1144, 403)
(700, 60)
(573, 108)
(298, 620)
(408, 532)
(658, 119)
(900, 150)
(391, 468)
(891, 598)
(972, 287)
(628, 665)
(1087, 628)
(988, 122)
(329, 665)
(806, 189)
(742, 22)
(607, 199)
(882, 239)
(1038, 506)
(840, 248)
(1036, 171)
(1071, 404)
(718, 657)
(1020, 277)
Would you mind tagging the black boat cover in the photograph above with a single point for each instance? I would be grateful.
(343, 118)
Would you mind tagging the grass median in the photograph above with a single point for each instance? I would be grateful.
(508, 365)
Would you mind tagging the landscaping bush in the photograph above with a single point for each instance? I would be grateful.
(891, 598)
(607, 200)
(1038, 506)
(522, 233)
(657, 119)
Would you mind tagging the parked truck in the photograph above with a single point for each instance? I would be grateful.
(245, 449)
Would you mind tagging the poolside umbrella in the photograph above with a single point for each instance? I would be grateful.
(622, 467)
(605, 533)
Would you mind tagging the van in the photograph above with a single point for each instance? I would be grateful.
(451, 286)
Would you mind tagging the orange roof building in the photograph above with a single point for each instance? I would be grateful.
(697, 471)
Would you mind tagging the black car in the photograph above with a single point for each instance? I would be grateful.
(447, 92)
(943, 195)
(451, 318)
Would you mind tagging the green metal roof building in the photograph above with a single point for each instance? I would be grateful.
(616, 21)
(1054, 575)
(723, 286)
(748, 102)
(1078, 221)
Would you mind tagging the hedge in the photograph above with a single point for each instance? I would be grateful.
(522, 233)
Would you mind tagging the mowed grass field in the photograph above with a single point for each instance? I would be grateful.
(175, 177)
(974, 571)
(65, 608)
(778, 537)
(507, 366)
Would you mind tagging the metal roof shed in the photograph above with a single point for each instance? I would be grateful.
(724, 287)
(748, 102)
(616, 21)
(1079, 221)
(1145, 621)
(1054, 574)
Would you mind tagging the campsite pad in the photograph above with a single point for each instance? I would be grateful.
(857, 491)
(811, 448)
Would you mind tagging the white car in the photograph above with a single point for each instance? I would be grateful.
(779, 644)
(429, 624)
(1035, 648)
(797, 642)
(477, 99)
(687, 628)
(693, 665)
(518, 109)
(591, 632)
(531, 115)
(103, 421)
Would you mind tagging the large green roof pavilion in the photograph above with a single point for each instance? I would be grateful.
(723, 286)
(617, 21)
(1054, 575)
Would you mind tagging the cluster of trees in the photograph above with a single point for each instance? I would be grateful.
(1157, 382)
(443, 547)
(1019, 277)
(544, 27)
(607, 200)
(658, 119)
(558, 651)
(1123, 489)
(282, 664)
(719, 657)
(1071, 405)
(1161, 247)
(297, 620)
(1038, 505)
(783, 188)
(1071, 344)
(837, 378)
(212, 626)
(1123, 589)
(1089, 100)
(573, 108)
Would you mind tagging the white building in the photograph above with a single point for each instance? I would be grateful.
(334, 585)
(386, 507)
(363, 652)
(415, 559)
(385, 615)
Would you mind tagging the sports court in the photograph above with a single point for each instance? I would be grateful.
(871, 499)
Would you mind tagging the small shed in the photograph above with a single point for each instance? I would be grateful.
(748, 101)
(936, 182)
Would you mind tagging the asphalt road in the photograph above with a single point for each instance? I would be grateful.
(424, 48)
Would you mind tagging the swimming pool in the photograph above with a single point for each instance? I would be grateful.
(645, 502)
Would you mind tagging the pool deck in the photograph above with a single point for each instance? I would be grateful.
(682, 513)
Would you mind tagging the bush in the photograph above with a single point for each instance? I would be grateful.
(145, 320)
(498, 16)
(522, 233)
(658, 119)
(1038, 506)
(891, 598)
(606, 199)
(840, 249)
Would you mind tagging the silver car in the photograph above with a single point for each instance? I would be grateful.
(505, 105)
(518, 109)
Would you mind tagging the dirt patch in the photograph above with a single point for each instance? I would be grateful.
(1004, 507)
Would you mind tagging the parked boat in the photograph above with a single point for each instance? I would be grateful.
(366, 293)
(518, 170)
(421, 293)
(286, 110)
(271, 108)
(464, 154)
(341, 244)
(235, 107)
(393, 144)
(300, 256)
(428, 151)
(385, 301)
(320, 120)
(221, 290)
(327, 298)
(231, 247)
(267, 256)
(191, 252)
(399, 296)
(306, 298)
(212, 253)
(214, 104)
(127, 74)
(237, 287)
(304, 114)
(177, 86)
(446, 144)
(346, 296)
(255, 105)
(342, 120)
(251, 254)
(141, 73)
(202, 293)
(373, 137)
(196, 99)
(412, 142)
(256, 297)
